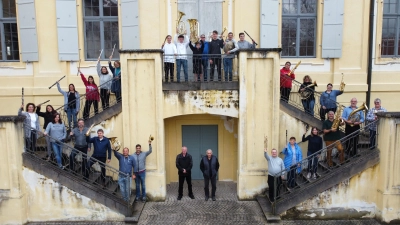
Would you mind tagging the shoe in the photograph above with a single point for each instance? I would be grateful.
(206, 198)
(213, 198)
(144, 199)
(191, 196)
(308, 175)
(179, 197)
(314, 176)
(136, 199)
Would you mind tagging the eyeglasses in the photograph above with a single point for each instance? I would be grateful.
(377, 102)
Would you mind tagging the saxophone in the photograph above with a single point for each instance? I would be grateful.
(337, 121)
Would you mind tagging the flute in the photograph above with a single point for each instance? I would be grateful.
(22, 96)
(57, 82)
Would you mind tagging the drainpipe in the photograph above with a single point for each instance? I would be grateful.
(370, 48)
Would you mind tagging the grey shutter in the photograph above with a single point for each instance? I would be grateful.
(67, 30)
(27, 30)
(332, 31)
(130, 24)
(269, 16)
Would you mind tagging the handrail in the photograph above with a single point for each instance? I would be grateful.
(350, 144)
(79, 165)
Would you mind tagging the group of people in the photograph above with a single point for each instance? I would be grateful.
(204, 54)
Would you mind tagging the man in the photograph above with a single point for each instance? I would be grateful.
(286, 82)
(184, 163)
(140, 171)
(214, 48)
(126, 163)
(81, 145)
(102, 149)
(231, 46)
(181, 60)
(169, 58)
(352, 125)
(245, 44)
(328, 101)
(371, 117)
(209, 166)
(275, 167)
(204, 58)
(332, 136)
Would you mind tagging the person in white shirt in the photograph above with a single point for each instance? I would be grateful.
(182, 42)
(169, 58)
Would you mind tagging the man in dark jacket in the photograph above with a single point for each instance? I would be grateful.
(184, 163)
(209, 165)
(102, 149)
(214, 48)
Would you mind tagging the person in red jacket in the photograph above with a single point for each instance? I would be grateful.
(92, 96)
(286, 82)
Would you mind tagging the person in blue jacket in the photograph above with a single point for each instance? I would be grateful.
(328, 101)
(116, 82)
(102, 151)
(204, 58)
(292, 161)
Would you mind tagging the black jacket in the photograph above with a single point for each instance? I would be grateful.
(214, 47)
(48, 117)
(209, 167)
(311, 89)
(184, 163)
(197, 51)
(314, 143)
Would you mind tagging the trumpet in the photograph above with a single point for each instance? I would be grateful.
(180, 25)
(151, 138)
(90, 129)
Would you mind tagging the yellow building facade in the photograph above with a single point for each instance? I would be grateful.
(49, 48)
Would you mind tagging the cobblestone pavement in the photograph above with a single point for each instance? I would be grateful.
(226, 210)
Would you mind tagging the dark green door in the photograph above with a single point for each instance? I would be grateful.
(199, 138)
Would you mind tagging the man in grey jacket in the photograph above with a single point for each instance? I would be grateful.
(230, 47)
(245, 44)
(140, 171)
(275, 167)
(79, 133)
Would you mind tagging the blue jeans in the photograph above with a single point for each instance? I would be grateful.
(125, 186)
(71, 115)
(228, 64)
(57, 152)
(308, 106)
(140, 181)
(205, 68)
(179, 63)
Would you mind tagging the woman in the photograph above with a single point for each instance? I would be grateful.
(314, 145)
(92, 95)
(31, 126)
(309, 102)
(286, 82)
(197, 66)
(292, 160)
(169, 58)
(48, 117)
(71, 103)
(56, 130)
(116, 83)
(105, 84)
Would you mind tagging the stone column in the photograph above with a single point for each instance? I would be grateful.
(13, 199)
(258, 117)
(142, 110)
(388, 178)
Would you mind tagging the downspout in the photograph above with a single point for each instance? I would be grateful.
(370, 48)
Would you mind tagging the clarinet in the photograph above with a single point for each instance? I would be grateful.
(22, 96)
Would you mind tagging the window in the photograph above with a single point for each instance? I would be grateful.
(390, 28)
(299, 19)
(9, 49)
(101, 28)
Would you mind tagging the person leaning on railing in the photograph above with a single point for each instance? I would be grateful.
(332, 139)
(48, 117)
(292, 160)
(328, 101)
(371, 117)
(105, 84)
(79, 133)
(71, 103)
(116, 87)
(92, 95)
(170, 51)
(197, 66)
(31, 126)
(314, 145)
(286, 81)
(58, 133)
(275, 168)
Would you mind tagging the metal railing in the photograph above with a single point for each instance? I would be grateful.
(86, 106)
(80, 166)
(322, 162)
(199, 68)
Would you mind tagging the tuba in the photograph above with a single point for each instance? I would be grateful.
(194, 30)
(342, 84)
(307, 92)
(355, 116)
(337, 121)
(180, 25)
(115, 144)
